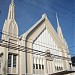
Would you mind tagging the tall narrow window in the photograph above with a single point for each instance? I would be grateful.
(9, 60)
(42, 67)
(39, 66)
(33, 66)
(14, 60)
(36, 66)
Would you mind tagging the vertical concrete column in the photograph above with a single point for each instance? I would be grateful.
(45, 66)
(41, 66)
(53, 66)
(1, 63)
(19, 64)
(5, 61)
(12, 64)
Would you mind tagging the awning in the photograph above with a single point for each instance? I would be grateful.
(63, 72)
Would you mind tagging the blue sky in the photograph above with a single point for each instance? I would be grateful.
(28, 12)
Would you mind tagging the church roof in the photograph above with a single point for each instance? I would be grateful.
(36, 24)
(50, 27)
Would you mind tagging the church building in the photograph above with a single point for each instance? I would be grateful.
(39, 51)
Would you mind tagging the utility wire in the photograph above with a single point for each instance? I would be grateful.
(61, 6)
(43, 9)
(23, 39)
(34, 43)
(51, 7)
(9, 45)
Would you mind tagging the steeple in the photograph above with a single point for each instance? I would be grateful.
(10, 25)
(59, 31)
(11, 14)
(12, 2)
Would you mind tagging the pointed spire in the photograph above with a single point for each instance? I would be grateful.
(58, 25)
(12, 2)
(59, 31)
(11, 14)
(57, 20)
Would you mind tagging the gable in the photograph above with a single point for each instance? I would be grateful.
(44, 42)
(42, 37)
(37, 28)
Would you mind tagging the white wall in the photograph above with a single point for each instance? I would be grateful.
(43, 43)
(23, 63)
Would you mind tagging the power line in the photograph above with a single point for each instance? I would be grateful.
(43, 9)
(61, 6)
(35, 43)
(9, 45)
(23, 38)
(29, 41)
(51, 7)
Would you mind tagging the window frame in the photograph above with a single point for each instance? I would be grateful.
(36, 66)
(42, 67)
(9, 60)
(14, 60)
(39, 66)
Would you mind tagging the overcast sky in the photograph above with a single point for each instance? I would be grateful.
(28, 12)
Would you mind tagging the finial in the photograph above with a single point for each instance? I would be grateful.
(11, 14)
(44, 15)
(57, 19)
(59, 31)
(12, 2)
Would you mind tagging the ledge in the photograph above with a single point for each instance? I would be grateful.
(63, 72)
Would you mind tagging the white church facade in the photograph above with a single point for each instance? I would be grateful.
(39, 51)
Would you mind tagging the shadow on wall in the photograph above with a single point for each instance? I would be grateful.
(73, 61)
(4, 68)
